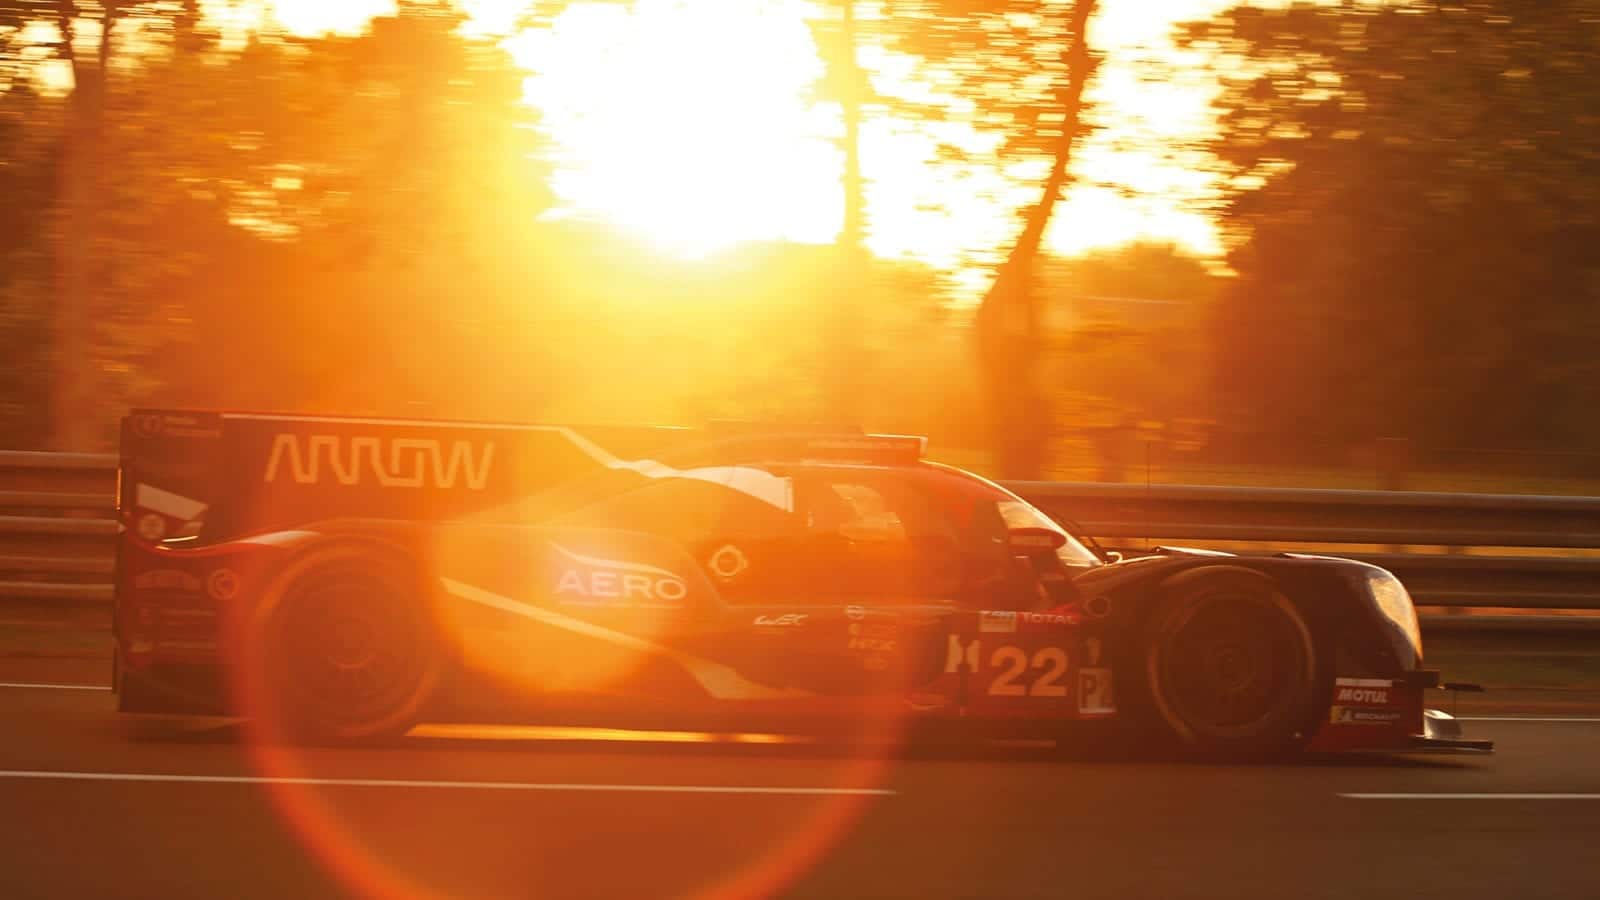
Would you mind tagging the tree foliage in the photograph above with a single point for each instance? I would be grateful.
(352, 224)
(1017, 68)
(1416, 209)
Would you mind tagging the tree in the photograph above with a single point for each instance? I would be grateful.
(387, 259)
(1023, 67)
(1126, 337)
(29, 143)
(1413, 217)
(73, 216)
(846, 83)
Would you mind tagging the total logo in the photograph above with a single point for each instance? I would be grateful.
(1005, 621)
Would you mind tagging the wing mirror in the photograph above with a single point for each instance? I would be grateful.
(1033, 539)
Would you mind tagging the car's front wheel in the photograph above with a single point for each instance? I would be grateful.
(1231, 665)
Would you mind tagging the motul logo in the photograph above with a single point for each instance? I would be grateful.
(387, 462)
(1363, 695)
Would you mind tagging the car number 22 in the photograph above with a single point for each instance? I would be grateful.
(1016, 673)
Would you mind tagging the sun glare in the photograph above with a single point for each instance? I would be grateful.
(697, 125)
(689, 121)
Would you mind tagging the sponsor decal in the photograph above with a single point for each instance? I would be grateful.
(167, 580)
(873, 645)
(152, 527)
(960, 654)
(1350, 715)
(1369, 696)
(997, 621)
(153, 425)
(1012, 671)
(1092, 648)
(223, 584)
(873, 629)
(1095, 697)
(728, 562)
(1012, 668)
(1365, 691)
(783, 621)
(387, 462)
(855, 613)
(592, 581)
(719, 680)
(1045, 618)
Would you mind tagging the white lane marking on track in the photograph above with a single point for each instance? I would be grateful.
(1527, 719)
(56, 687)
(1471, 796)
(46, 775)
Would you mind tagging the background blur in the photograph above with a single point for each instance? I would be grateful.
(1340, 245)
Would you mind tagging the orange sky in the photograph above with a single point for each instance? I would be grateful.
(636, 98)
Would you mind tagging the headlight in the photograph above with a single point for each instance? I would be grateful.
(1394, 604)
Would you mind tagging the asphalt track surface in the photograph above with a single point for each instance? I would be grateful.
(95, 805)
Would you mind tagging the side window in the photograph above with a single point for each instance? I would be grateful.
(858, 512)
(990, 557)
(872, 537)
(676, 508)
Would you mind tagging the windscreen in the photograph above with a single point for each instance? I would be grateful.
(1020, 514)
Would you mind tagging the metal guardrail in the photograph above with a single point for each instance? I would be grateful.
(56, 526)
(1279, 515)
(56, 531)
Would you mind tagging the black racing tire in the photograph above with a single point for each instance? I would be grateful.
(343, 649)
(1231, 666)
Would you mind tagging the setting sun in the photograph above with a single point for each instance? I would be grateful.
(697, 125)
(688, 122)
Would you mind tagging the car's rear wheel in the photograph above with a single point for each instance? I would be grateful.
(1231, 665)
(344, 648)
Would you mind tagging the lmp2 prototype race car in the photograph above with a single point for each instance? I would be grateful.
(346, 579)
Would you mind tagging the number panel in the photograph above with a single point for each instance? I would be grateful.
(1013, 675)
(1011, 662)
(1051, 663)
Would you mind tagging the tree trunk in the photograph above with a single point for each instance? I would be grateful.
(1008, 318)
(842, 339)
(75, 414)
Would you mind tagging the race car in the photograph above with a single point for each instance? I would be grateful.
(344, 579)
